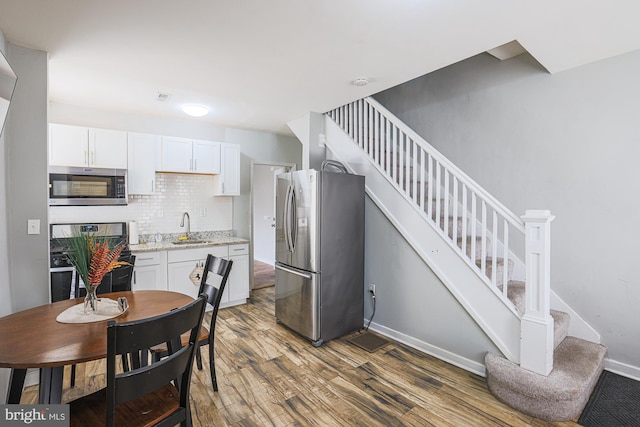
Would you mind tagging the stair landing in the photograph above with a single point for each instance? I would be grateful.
(560, 396)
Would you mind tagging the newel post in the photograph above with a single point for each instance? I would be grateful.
(536, 334)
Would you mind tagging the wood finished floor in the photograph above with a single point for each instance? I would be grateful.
(263, 274)
(269, 376)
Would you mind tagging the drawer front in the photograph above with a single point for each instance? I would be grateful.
(197, 253)
(242, 249)
(148, 258)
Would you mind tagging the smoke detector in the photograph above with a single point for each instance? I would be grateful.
(360, 81)
(162, 97)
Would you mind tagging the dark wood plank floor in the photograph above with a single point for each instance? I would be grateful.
(269, 376)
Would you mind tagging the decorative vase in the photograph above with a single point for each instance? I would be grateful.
(91, 300)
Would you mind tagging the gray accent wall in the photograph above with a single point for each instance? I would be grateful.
(26, 179)
(412, 304)
(568, 142)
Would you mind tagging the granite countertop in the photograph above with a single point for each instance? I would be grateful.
(170, 246)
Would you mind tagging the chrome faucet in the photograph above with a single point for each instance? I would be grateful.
(186, 215)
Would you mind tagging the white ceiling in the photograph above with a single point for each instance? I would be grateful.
(261, 63)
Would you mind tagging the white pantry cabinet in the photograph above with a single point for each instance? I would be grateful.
(150, 271)
(228, 182)
(144, 160)
(189, 155)
(79, 146)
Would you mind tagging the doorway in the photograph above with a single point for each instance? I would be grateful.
(263, 219)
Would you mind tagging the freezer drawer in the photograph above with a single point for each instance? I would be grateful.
(298, 301)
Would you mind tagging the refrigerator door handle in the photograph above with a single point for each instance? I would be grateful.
(297, 273)
(294, 219)
(286, 220)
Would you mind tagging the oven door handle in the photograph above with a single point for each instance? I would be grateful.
(61, 269)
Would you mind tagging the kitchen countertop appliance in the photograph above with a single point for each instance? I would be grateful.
(63, 274)
(320, 253)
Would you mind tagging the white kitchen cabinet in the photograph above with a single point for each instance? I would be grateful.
(181, 264)
(238, 282)
(68, 145)
(228, 182)
(190, 156)
(107, 148)
(206, 156)
(79, 146)
(144, 160)
(150, 271)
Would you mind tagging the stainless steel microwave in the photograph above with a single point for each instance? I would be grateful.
(72, 186)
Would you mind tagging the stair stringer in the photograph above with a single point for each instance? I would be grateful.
(499, 320)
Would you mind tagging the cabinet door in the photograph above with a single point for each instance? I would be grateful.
(147, 277)
(150, 271)
(68, 145)
(178, 277)
(143, 161)
(229, 179)
(206, 156)
(176, 154)
(107, 148)
(239, 279)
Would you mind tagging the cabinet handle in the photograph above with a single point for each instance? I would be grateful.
(134, 277)
(195, 164)
(153, 185)
(86, 157)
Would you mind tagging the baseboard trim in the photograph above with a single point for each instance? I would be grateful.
(447, 356)
(623, 369)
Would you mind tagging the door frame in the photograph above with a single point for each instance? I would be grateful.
(290, 167)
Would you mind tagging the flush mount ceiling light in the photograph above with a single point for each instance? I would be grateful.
(360, 81)
(195, 110)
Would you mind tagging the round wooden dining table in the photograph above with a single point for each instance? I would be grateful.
(33, 338)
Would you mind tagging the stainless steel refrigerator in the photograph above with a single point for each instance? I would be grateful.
(320, 253)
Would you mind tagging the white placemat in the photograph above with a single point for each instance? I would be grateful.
(107, 309)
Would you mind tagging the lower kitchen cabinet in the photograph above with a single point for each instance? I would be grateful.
(181, 263)
(150, 271)
(238, 282)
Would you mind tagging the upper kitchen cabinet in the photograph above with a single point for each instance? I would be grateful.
(228, 182)
(144, 160)
(190, 155)
(79, 146)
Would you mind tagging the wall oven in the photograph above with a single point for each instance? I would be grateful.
(73, 186)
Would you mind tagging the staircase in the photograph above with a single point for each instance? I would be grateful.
(481, 251)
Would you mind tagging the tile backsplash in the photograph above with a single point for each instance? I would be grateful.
(162, 211)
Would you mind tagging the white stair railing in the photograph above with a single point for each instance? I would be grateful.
(487, 235)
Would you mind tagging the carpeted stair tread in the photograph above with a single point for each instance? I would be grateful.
(559, 396)
(561, 320)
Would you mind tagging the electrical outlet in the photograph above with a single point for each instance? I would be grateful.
(203, 211)
(372, 288)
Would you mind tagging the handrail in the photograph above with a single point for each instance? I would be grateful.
(500, 207)
(464, 213)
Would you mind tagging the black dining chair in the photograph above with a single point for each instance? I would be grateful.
(212, 284)
(153, 395)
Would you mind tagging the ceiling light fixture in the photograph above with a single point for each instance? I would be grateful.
(360, 81)
(195, 110)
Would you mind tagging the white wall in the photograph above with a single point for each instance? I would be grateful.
(257, 147)
(567, 142)
(263, 213)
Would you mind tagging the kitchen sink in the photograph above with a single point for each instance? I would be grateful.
(190, 242)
